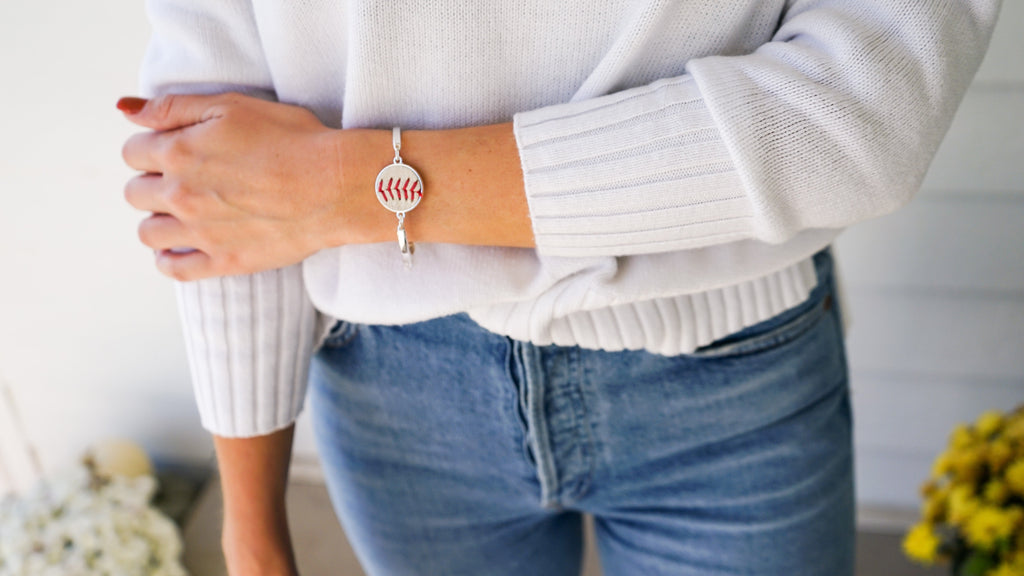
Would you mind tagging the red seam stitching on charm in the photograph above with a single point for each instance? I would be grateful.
(400, 189)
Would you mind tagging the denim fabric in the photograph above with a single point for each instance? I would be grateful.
(450, 450)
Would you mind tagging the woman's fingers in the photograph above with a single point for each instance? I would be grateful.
(176, 250)
(184, 266)
(172, 245)
(159, 152)
(140, 152)
(163, 232)
(145, 192)
(163, 195)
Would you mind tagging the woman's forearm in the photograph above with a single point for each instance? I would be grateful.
(254, 476)
(472, 181)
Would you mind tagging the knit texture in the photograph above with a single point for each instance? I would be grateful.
(682, 161)
(252, 336)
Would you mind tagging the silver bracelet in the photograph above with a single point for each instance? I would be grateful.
(400, 189)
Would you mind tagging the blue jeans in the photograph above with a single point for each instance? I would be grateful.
(450, 450)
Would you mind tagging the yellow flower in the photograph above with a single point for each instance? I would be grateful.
(942, 465)
(996, 492)
(1017, 562)
(1015, 477)
(987, 525)
(1016, 515)
(1014, 429)
(969, 464)
(962, 504)
(934, 508)
(989, 423)
(961, 437)
(1006, 570)
(1013, 565)
(1000, 452)
(922, 544)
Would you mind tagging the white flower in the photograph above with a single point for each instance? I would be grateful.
(76, 525)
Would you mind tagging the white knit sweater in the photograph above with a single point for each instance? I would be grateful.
(683, 159)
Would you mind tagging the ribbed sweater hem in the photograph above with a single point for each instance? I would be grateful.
(667, 326)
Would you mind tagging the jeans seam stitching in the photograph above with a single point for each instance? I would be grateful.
(517, 392)
(581, 421)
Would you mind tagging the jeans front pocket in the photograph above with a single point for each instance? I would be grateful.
(773, 332)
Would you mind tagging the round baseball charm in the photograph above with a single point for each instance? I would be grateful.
(399, 187)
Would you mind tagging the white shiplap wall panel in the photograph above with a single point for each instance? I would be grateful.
(985, 146)
(1004, 63)
(936, 333)
(890, 477)
(902, 422)
(915, 412)
(959, 243)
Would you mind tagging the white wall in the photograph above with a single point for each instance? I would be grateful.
(89, 337)
(89, 340)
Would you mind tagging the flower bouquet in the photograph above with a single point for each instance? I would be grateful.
(89, 521)
(973, 511)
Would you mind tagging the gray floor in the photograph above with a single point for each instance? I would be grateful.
(323, 551)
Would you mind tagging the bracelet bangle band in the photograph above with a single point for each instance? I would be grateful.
(399, 188)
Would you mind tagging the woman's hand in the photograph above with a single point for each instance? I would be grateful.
(253, 185)
(249, 185)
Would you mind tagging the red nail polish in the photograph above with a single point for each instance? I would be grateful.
(130, 105)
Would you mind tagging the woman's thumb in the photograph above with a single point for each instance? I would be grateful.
(165, 112)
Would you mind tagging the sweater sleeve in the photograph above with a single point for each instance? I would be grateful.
(833, 121)
(249, 338)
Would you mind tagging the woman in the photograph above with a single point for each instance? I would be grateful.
(620, 298)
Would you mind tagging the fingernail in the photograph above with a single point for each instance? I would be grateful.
(130, 105)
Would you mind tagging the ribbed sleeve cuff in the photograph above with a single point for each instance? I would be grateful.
(249, 339)
(639, 171)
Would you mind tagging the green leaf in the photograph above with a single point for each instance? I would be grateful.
(977, 564)
(1003, 546)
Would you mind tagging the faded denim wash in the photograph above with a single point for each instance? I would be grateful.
(451, 450)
